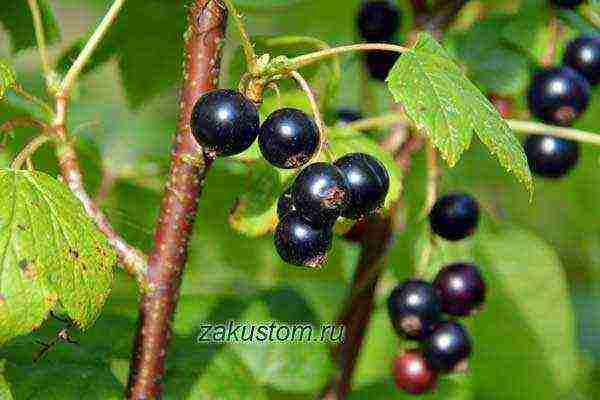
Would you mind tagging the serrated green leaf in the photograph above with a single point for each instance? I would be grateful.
(16, 18)
(449, 108)
(7, 78)
(52, 254)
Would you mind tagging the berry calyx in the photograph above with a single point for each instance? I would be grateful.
(412, 373)
(378, 21)
(320, 193)
(460, 288)
(224, 122)
(368, 182)
(285, 205)
(414, 309)
(448, 347)
(558, 95)
(288, 138)
(566, 3)
(583, 55)
(299, 243)
(380, 63)
(454, 217)
(549, 156)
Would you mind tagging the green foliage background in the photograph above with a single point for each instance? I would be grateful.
(542, 260)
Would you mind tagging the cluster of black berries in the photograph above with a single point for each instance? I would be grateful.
(566, 3)
(379, 22)
(225, 123)
(558, 96)
(416, 307)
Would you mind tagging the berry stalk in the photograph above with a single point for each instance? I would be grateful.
(207, 20)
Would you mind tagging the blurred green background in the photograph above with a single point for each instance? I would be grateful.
(539, 333)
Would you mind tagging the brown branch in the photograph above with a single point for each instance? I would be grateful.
(206, 28)
(21, 122)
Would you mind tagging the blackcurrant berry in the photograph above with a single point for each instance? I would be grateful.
(455, 216)
(288, 138)
(367, 180)
(414, 309)
(412, 373)
(447, 347)
(320, 193)
(299, 243)
(460, 288)
(380, 63)
(346, 115)
(583, 55)
(285, 205)
(224, 122)
(549, 156)
(378, 21)
(558, 95)
(566, 3)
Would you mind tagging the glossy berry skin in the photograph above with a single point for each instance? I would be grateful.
(224, 122)
(558, 95)
(454, 217)
(380, 63)
(460, 288)
(566, 3)
(346, 115)
(414, 309)
(288, 138)
(447, 347)
(368, 182)
(300, 243)
(549, 156)
(378, 21)
(285, 205)
(320, 193)
(583, 55)
(412, 373)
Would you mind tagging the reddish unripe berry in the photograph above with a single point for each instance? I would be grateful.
(412, 373)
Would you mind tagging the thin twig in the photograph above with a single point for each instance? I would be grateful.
(30, 98)
(21, 122)
(537, 128)
(28, 150)
(382, 121)
(250, 54)
(40, 38)
(433, 174)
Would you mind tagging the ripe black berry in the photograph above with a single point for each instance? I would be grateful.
(448, 346)
(299, 243)
(412, 373)
(224, 122)
(455, 216)
(558, 95)
(549, 156)
(583, 55)
(461, 289)
(378, 21)
(346, 115)
(566, 3)
(380, 63)
(414, 309)
(367, 180)
(320, 193)
(288, 138)
(285, 205)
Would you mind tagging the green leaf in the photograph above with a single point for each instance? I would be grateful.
(17, 20)
(529, 29)
(7, 78)
(52, 255)
(449, 108)
(5, 393)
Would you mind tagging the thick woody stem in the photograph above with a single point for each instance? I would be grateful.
(207, 21)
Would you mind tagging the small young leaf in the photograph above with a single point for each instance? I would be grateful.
(16, 18)
(52, 254)
(449, 108)
(7, 78)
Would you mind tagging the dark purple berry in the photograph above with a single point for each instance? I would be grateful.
(300, 243)
(224, 122)
(285, 205)
(288, 138)
(448, 347)
(566, 3)
(412, 373)
(454, 217)
(368, 182)
(414, 309)
(378, 21)
(583, 55)
(549, 156)
(460, 288)
(558, 95)
(320, 193)
(346, 115)
(380, 63)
